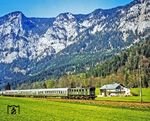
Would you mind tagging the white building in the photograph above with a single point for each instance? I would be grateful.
(114, 90)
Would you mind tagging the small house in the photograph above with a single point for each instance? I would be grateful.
(114, 90)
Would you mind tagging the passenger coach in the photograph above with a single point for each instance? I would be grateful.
(68, 93)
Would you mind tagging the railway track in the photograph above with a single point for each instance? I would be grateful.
(106, 103)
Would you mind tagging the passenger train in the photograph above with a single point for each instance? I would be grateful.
(67, 93)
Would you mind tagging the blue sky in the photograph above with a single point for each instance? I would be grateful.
(51, 8)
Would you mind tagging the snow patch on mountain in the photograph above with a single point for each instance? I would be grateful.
(9, 57)
(19, 70)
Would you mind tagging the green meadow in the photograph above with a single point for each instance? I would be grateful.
(145, 96)
(33, 109)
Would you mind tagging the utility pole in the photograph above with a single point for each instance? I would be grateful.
(141, 100)
(144, 63)
(101, 78)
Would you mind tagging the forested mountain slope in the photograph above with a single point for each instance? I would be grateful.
(35, 49)
(125, 68)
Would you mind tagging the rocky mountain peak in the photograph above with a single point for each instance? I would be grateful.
(16, 14)
(140, 1)
(65, 16)
(30, 44)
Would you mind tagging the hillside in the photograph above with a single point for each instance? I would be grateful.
(35, 49)
(126, 64)
(122, 68)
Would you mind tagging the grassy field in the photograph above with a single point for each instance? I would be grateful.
(46, 110)
(146, 96)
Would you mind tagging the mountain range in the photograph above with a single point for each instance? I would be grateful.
(39, 48)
